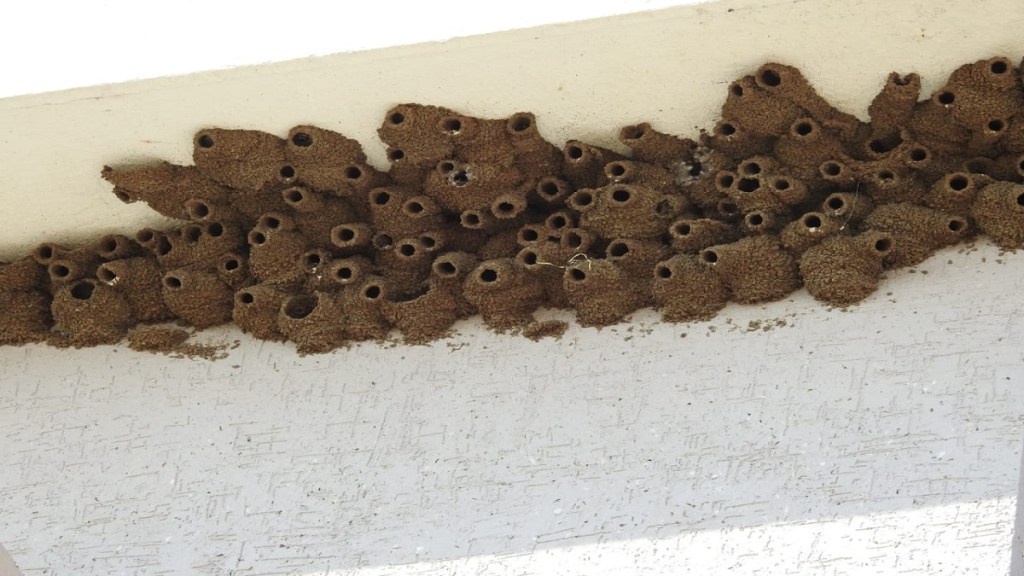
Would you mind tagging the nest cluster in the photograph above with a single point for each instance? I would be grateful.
(299, 238)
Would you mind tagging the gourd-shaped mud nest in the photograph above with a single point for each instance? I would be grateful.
(299, 238)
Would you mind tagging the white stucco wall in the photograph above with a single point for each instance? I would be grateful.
(885, 438)
(882, 439)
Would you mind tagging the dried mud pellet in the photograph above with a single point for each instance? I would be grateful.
(934, 126)
(116, 246)
(894, 105)
(509, 206)
(199, 210)
(737, 141)
(504, 293)
(158, 339)
(888, 146)
(583, 164)
(412, 129)
(245, 159)
(482, 220)
(47, 252)
(546, 272)
(406, 266)
(477, 140)
(847, 208)
(352, 238)
(155, 242)
(752, 193)
(760, 222)
(706, 192)
(233, 269)
(165, 187)
(642, 173)
(531, 233)
(139, 279)
(315, 263)
(654, 147)
(536, 157)
(986, 137)
(363, 304)
(22, 275)
(838, 173)
(315, 322)
(691, 236)
(90, 313)
(627, 210)
(953, 194)
(198, 297)
(885, 185)
(687, 290)
(350, 181)
(63, 271)
(306, 145)
(501, 244)
(200, 244)
(316, 215)
(274, 255)
(727, 211)
(984, 90)
(999, 213)
(755, 269)
(552, 191)
(449, 272)
(789, 191)
(25, 316)
(427, 317)
(1008, 167)
(403, 171)
(601, 292)
(753, 110)
(808, 230)
(560, 220)
(636, 258)
(350, 270)
(250, 205)
(256, 310)
(843, 270)
(789, 83)
(917, 231)
(805, 146)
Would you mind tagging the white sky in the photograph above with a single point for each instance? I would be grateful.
(52, 45)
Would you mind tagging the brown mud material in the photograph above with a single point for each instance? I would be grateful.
(687, 290)
(755, 268)
(843, 270)
(87, 313)
(172, 342)
(24, 316)
(999, 212)
(297, 238)
(917, 231)
(539, 330)
(601, 292)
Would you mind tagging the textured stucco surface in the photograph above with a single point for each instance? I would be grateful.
(884, 437)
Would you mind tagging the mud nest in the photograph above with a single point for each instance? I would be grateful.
(299, 238)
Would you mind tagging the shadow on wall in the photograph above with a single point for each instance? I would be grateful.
(7, 566)
(487, 444)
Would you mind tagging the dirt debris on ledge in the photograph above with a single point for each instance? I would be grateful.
(299, 238)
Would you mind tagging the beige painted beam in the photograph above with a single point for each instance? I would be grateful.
(583, 80)
(7, 565)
